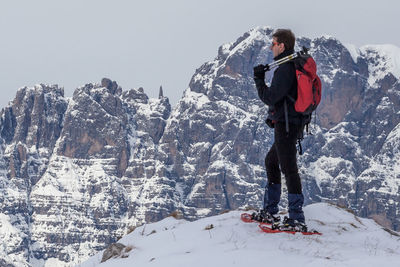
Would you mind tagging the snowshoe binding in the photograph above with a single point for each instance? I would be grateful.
(290, 225)
(264, 216)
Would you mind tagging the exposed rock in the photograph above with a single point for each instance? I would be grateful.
(114, 250)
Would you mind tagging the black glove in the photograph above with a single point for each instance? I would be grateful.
(259, 72)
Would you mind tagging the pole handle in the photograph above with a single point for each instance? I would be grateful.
(302, 52)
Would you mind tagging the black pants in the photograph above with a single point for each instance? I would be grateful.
(282, 157)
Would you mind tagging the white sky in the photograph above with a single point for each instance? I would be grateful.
(152, 43)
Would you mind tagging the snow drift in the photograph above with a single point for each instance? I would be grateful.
(224, 240)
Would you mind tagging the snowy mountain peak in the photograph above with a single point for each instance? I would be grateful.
(384, 59)
(224, 240)
(38, 88)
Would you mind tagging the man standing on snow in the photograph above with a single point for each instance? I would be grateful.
(286, 122)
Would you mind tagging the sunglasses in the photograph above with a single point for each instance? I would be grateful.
(273, 44)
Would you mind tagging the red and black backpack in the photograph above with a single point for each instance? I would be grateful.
(309, 91)
(308, 85)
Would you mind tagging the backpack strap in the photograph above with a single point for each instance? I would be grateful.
(291, 98)
(300, 149)
(304, 123)
(286, 116)
(300, 135)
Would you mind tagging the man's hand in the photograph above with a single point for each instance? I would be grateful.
(259, 72)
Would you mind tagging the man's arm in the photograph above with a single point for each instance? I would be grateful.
(280, 85)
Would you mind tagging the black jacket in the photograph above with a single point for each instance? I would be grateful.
(284, 83)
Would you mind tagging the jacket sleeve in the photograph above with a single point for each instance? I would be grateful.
(280, 86)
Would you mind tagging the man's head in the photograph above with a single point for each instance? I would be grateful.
(282, 39)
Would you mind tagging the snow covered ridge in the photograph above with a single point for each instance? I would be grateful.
(385, 59)
(224, 240)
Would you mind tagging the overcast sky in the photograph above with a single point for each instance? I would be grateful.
(152, 43)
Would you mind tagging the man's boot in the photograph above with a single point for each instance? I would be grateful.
(296, 202)
(265, 217)
(272, 196)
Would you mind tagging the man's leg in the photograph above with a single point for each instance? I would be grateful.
(286, 151)
(272, 194)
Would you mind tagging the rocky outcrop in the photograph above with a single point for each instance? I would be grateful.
(114, 250)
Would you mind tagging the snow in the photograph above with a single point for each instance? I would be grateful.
(203, 212)
(195, 98)
(6, 228)
(387, 60)
(254, 35)
(328, 37)
(346, 241)
(386, 164)
(209, 126)
(50, 262)
(11, 236)
(353, 50)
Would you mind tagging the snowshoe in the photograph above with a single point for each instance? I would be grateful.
(260, 216)
(247, 218)
(289, 226)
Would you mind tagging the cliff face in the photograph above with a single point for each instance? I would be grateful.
(70, 168)
(30, 128)
(75, 173)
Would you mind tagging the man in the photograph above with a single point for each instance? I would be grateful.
(287, 125)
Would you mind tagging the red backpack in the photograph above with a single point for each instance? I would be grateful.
(308, 91)
(308, 85)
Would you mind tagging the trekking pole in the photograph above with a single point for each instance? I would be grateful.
(275, 64)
